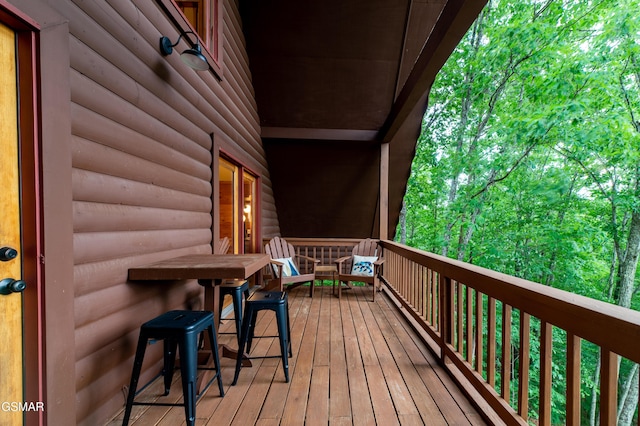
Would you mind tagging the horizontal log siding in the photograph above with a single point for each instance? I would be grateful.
(142, 173)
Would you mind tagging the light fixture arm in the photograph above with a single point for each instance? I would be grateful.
(192, 57)
(166, 48)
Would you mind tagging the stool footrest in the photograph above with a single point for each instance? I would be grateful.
(265, 357)
(161, 404)
(276, 301)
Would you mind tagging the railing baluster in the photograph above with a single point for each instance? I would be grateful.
(469, 325)
(423, 291)
(479, 333)
(435, 288)
(491, 348)
(546, 351)
(437, 301)
(573, 379)
(405, 276)
(414, 279)
(460, 317)
(608, 387)
(523, 365)
(506, 353)
(430, 302)
(446, 313)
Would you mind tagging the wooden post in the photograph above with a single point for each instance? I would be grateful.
(384, 191)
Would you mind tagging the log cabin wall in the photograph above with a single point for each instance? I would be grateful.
(146, 135)
(146, 131)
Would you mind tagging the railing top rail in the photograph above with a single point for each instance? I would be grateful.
(610, 326)
(320, 241)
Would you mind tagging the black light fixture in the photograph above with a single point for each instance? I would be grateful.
(192, 57)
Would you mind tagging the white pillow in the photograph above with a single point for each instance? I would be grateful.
(363, 265)
(288, 268)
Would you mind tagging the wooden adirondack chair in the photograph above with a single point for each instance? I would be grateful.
(278, 248)
(347, 273)
(223, 246)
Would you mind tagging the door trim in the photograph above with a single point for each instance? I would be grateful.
(30, 207)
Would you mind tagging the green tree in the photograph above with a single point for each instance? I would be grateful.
(529, 159)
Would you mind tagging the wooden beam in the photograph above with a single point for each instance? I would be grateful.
(318, 134)
(454, 21)
(384, 191)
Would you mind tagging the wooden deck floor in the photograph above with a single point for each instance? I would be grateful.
(354, 362)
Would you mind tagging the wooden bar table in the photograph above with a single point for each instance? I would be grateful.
(210, 270)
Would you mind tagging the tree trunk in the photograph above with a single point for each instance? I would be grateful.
(626, 289)
(403, 223)
(629, 265)
(593, 409)
(629, 399)
(460, 131)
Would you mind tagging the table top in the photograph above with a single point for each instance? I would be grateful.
(202, 266)
(326, 268)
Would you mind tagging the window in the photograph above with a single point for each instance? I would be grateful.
(238, 207)
(194, 12)
(202, 15)
(249, 195)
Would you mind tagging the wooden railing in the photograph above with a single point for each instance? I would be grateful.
(471, 314)
(468, 314)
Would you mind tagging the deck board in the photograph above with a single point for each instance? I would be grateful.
(355, 362)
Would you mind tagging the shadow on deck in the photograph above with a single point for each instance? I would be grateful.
(354, 362)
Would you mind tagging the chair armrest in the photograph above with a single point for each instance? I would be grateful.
(315, 262)
(339, 263)
(376, 266)
(279, 266)
(310, 259)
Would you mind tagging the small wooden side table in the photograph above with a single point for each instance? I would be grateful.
(327, 268)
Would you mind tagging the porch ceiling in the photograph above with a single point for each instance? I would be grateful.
(333, 79)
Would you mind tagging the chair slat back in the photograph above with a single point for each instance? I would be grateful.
(223, 246)
(366, 247)
(278, 248)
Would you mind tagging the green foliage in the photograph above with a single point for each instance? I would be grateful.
(529, 158)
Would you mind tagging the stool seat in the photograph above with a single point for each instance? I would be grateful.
(176, 323)
(179, 330)
(276, 301)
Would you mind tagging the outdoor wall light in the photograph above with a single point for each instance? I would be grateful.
(192, 57)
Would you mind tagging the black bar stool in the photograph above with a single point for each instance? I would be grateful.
(178, 329)
(273, 300)
(236, 289)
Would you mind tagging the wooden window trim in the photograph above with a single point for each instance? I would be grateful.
(211, 50)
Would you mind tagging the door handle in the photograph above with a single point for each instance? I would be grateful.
(9, 285)
(7, 254)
